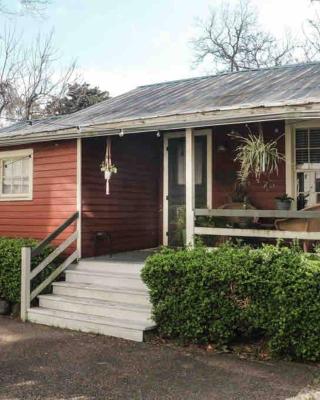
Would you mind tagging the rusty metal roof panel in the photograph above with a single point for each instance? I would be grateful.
(279, 86)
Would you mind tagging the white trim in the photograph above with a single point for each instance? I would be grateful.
(290, 160)
(165, 206)
(79, 196)
(190, 198)
(208, 134)
(7, 155)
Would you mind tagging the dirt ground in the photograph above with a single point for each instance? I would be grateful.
(38, 362)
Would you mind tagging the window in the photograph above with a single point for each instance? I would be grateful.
(308, 148)
(16, 175)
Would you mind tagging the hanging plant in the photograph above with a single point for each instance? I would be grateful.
(107, 167)
(257, 157)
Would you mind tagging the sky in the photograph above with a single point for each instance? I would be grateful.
(121, 44)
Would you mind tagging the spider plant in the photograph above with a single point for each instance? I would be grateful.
(256, 156)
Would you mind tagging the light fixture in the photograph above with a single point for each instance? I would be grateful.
(158, 134)
(121, 134)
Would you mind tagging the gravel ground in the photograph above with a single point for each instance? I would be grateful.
(38, 362)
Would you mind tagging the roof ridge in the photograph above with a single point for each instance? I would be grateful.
(231, 73)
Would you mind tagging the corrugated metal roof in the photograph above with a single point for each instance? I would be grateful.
(279, 86)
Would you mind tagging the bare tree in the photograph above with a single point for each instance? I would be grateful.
(39, 80)
(311, 44)
(10, 66)
(232, 40)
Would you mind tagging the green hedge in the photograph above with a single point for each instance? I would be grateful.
(10, 267)
(202, 296)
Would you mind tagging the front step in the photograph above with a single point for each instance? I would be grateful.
(116, 327)
(130, 281)
(99, 292)
(112, 267)
(100, 296)
(100, 308)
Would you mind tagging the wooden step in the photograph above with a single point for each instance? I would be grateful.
(100, 292)
(101, 308)
(132, 281)
(126, 329)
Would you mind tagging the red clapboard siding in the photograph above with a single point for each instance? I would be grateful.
(225, 169)
(131, 213)
(54, 193)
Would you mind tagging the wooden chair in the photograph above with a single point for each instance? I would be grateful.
(300, 225)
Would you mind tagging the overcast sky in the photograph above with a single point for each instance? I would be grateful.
(120, 44)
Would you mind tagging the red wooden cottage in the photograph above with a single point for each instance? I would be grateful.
(171, 145)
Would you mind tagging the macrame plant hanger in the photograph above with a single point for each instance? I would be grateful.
(108, 163)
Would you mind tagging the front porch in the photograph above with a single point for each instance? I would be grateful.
(166, 182)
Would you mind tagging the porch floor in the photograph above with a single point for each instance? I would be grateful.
(129, 257)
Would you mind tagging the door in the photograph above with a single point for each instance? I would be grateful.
(176, 185)
(308, 183)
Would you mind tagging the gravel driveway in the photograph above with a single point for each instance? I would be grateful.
(38, 362)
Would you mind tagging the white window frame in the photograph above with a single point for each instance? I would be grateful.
(291, 166)
(18, 154)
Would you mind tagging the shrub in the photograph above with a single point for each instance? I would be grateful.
(10, 267)
(202, 296)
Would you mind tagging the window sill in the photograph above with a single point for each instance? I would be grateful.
(10, 199)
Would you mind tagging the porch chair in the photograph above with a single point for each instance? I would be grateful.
(300, 225)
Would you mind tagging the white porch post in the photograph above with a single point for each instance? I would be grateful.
(189, 187)
(290, 164)
(25, 281)
(79, 195)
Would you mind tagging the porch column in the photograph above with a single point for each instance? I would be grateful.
(290, 161)
(189, 187)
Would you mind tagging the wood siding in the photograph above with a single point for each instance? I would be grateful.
(54, 193)
(225, 169)
(132, 212)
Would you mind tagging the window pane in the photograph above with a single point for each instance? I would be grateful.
(15, 176)
(317, 182)
(315, 155)
(314, 138)
(301, 138)
(301, 156)
(300, 179)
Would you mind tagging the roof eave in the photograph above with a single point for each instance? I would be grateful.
(173, 122)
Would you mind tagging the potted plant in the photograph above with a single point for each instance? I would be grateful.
(284, 202)
(108, 169)
(257, 157)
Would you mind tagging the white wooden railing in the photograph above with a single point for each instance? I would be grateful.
(253, 232)
(27, 253)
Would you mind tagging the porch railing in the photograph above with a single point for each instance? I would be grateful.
(27, 253)
(254, 232)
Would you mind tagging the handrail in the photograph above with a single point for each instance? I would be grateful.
(254, 232)
(220, 212)
(26, 256)
(37, 250)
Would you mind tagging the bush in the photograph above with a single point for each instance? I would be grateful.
(10, 267)
(201, 296)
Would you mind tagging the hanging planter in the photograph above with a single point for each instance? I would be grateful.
(107, 167)
(256, 157)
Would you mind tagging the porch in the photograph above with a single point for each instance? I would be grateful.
(166, 182)
(169, 183)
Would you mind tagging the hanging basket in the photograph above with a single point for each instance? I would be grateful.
(107, 167)
(107, 175)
